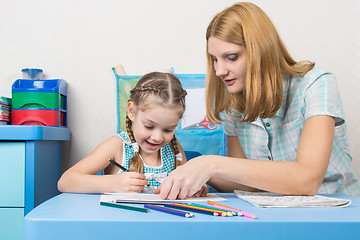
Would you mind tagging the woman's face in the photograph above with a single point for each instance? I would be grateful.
(230, 63)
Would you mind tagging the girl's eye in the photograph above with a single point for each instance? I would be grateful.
(167, 130)
(148, 127)
(214, 59)
(233, 58)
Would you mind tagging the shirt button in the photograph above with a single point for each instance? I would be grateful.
(268, 124)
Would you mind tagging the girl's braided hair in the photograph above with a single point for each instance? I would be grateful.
(163, 88)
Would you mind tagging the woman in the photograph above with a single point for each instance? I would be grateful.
(284, 120)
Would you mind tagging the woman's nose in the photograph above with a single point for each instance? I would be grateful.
(221, 69)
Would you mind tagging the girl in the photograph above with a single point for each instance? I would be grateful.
(284, 119)
(149, 149)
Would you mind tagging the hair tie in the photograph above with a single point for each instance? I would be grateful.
(135, 146)
(178, 157)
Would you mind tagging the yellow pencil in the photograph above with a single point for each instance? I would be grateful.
(214, 208)
(223, 213)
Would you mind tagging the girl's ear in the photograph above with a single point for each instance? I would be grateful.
(130, 110)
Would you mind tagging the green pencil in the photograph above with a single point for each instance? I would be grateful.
(124, 207)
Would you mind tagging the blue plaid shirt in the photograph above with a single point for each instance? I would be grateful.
(277, 138)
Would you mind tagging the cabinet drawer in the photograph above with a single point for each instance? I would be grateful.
(12, 174)
(11, 223)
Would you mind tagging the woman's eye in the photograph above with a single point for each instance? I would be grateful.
(167, 130)
(214, 59)
(233, 58)
(149, 127)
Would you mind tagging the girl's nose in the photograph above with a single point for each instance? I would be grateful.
(157, 136)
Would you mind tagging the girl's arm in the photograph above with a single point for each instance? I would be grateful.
(81, 177)
(302, 177)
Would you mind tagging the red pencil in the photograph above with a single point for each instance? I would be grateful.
(183, 207)
(218, 205)
(221, 212)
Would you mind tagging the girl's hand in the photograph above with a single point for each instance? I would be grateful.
(129, 182)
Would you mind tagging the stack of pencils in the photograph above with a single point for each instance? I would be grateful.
(5, 108)
(185, 209)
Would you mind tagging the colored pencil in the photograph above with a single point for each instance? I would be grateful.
(218, 205)
(124, 207)
(214, 208)
(194, 209)
(126, 170)
(244, 214)
(221, 212)
(169, 210)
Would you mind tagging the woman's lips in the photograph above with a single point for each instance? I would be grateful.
(229, 82)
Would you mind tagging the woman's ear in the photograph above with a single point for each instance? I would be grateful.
(130, 110)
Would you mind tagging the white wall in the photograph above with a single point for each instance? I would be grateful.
(80, 41)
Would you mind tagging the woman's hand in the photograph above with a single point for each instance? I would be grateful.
(186, 180)
(129, 182)
(202, 192)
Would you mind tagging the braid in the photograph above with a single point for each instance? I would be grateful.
(136, 164)
(145, 89)
(182, 94)
(175, 148)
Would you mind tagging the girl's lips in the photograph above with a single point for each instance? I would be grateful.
(152, 145)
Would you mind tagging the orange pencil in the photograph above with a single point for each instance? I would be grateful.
(222, 212)
(215, 208)
(189, 207)
(178, 206)
(218, 205)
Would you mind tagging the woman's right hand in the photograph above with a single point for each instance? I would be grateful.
(186, 180)
(129, 182)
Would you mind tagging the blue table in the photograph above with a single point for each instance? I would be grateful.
(79, 216)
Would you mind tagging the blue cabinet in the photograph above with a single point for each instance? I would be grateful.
(30, 166)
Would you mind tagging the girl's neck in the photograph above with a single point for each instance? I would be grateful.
(152, 159)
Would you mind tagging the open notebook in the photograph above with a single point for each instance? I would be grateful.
(266, 199)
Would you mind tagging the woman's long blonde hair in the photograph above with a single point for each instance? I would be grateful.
(163, 88)
(247, 25)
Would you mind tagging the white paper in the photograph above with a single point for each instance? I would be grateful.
(266, 199)
(112, 197)
(195, 110)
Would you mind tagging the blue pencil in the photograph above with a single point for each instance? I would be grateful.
(183, 207)
(213, 208)
(168, 210)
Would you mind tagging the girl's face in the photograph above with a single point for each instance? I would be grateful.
(230, 63)
(154, 127)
